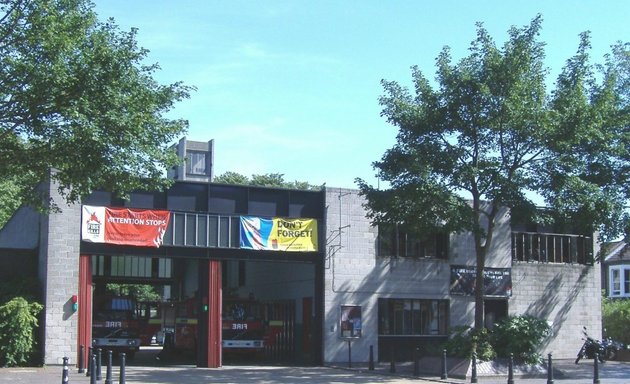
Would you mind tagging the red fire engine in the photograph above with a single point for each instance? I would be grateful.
(115, 324)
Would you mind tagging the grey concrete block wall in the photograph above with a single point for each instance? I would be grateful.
(59, 274)
(566, 295)
(354, 275)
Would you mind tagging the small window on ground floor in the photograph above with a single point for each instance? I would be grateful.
(412, 317)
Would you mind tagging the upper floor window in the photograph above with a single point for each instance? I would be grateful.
(394, 241)
(196, 163)
(619, 281)
(552, 248)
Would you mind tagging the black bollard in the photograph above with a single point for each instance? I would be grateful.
(392, 364)
(549, 370)
(596, 369)
(511, 370)
(444, 367)
(371, 364)
(99, 363)
(64, 374)
(473, 377)
(108, 374)
(81, 352)
(121, 379)
(93, 369)
(89, 362)
(416, 362)
(349, 354)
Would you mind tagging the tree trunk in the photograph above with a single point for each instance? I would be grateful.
(479, 310)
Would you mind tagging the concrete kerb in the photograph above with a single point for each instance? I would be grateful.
(459, 370)
(404, 370)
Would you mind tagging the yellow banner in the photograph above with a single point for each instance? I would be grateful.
(277, 234)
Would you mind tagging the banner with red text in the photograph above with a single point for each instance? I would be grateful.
(124, 226)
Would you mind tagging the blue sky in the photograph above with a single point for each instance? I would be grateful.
(292, 87)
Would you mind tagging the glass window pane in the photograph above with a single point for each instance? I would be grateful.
(224, 234)
(191, 229)
(626, 282)
(416, 314)
(398, 307)
(407, 329)
(196, 163)
(202, 230)
(443, 326)
(213, 231)
(615, 283)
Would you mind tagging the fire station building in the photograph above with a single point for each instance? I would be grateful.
(324, 281)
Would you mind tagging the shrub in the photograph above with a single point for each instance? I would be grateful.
(616, 317)
(464, 340)
(520, 336)
(18, 318)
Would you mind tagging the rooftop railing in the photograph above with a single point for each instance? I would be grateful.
(552, 248)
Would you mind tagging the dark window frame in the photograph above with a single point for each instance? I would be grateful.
(413, 317)
(191, 166)
(394, 241)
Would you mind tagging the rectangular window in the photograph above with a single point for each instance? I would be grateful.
(196, 163)
(615, 282)
(412, 317)
(394, 241)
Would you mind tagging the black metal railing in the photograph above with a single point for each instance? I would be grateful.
(552, 248)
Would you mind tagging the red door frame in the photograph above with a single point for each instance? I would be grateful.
(85, 306)
(214, 320)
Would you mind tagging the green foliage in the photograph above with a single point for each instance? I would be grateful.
(79, 98)
(265, 180)
(18, 319)
(232, 178)
(9, 200)
(615, 318)
(141, 292)
(520, 336)
(489, 133)
(463, 341)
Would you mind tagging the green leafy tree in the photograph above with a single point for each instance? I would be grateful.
(79, 105)
(18, 319)
(264, 180)
(615, 318)
(520, 336)
(232, 178)
(141, 292)
(488, 134)
(9, 200)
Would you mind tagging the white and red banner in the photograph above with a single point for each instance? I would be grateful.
(124, 226)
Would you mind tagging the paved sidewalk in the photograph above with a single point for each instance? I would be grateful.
(192, 375)
(611, 372)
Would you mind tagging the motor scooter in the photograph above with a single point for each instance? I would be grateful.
(611, 348)
(590, 348)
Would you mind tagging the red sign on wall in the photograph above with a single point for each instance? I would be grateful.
(124, 226)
